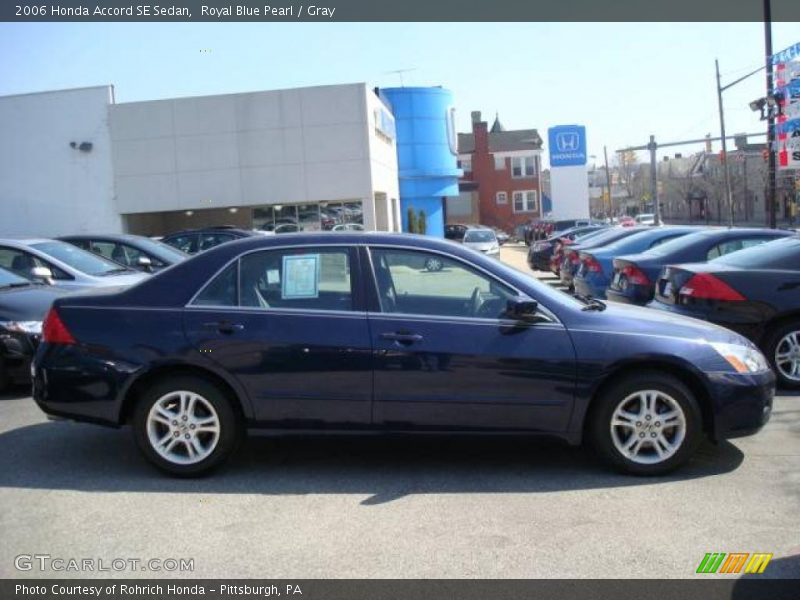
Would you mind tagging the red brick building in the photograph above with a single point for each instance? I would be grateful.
(501, 186)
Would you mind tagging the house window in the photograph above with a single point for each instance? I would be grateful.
(465, 164)
(523, 166)
(502, 198)
(526, 201)
(499, 163)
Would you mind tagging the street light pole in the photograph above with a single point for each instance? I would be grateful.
(726, 170)
(770, 199)
(608, 182)
(653, 183)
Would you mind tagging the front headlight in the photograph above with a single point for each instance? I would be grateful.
(743, 359)
(30, 327)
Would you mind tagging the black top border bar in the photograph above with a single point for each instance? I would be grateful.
(399, 10)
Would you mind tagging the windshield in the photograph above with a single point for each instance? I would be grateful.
(7, 278)
(83, 261)
(783, 253)
(480, 235)
(161, 250)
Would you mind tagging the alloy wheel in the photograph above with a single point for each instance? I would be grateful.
(787, 356)
(183, 427)
(648, 427)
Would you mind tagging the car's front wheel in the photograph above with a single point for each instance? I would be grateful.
(646, 424)
(186, 426)
(782, 348)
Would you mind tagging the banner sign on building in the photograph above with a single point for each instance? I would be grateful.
(567, 145)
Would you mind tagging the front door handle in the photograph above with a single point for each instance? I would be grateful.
(224, 326)
(402, 338)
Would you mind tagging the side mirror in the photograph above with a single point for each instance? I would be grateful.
(42, 274)
(523, 309)
(145, 263)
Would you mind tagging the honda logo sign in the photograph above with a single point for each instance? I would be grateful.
(567, 145)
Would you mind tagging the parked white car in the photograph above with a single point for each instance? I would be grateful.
(646, 219)
(64, 264)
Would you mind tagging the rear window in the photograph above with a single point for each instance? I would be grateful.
(783, 253)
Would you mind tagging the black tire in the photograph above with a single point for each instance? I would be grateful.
(770, 348)
(231, 429)
(434, 264)
(603, 408)
(5, 380)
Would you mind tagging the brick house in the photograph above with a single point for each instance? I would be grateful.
(501, 185)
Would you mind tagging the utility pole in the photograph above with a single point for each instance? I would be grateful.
(770, 118)
(726, 170)
(608, 182)
(653, 183)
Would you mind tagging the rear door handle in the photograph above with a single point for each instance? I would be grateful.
(402, 338)
(224, 326)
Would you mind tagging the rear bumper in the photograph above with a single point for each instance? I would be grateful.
(586, 287)
(742, 403)
(752, 331)
(632, 296)
(16, 353)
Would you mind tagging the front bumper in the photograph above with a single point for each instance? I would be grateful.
(742, 403)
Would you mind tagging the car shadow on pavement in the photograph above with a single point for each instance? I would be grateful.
(72, 456)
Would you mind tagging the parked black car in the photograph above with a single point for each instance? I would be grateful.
(134, 251)
(540, 253)
(457, 231)
(23, 305)
(634, 277)
(340, 332)
(755, 292)
(192, 241)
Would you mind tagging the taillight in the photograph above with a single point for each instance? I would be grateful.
(704, 286)
(635, 275)
(54, 331)
(591, 264)
(574, 258)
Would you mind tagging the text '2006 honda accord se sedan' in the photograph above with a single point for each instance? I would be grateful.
(352, 332)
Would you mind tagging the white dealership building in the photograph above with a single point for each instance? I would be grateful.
(76, 161)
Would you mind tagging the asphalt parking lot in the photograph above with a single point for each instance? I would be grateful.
(384, 507)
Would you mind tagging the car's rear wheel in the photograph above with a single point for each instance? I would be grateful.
(646, 424)
(186, 426)
(782, 348)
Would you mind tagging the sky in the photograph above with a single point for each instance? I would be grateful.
(623, 81)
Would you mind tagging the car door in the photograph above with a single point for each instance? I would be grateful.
(290, 325)
(445, 356)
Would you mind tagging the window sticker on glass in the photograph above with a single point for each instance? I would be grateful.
(273, 276)
(300, 276)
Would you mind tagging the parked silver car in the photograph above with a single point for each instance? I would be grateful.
(62, 263)
(482, 240)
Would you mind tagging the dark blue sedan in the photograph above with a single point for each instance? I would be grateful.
(634, 276)
(594, 273)
(352, 332)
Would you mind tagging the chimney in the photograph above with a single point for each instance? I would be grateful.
(476, 116)
(480, 130)
(708, 143)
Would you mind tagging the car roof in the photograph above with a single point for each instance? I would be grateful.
(216, 228)
(25, 241)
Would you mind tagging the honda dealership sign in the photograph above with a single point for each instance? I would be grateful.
(569, 184)
(567, 145)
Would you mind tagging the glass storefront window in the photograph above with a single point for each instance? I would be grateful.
(308, 217)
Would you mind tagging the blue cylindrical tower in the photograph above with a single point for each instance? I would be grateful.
(427, 150)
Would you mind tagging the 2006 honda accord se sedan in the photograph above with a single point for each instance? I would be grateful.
(352, 332)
